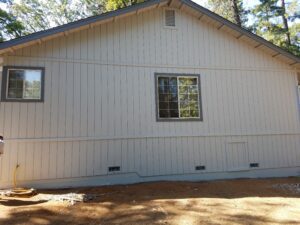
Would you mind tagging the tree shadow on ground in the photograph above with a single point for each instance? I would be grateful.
(16, 202)
(166, 203)
(87, 213)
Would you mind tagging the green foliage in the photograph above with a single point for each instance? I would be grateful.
(10, 27)
(226, 9)
(118, 4)
(40, 15)
(274, 23)
(95, 7)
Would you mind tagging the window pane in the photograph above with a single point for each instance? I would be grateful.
(188, 97)
(174, 105)
(168, 97)
(184, 113)
(194, 113)
(164, 114)
(164, 97)
(193, 89)
(183, 89)
(15, 83)
(163, 81)
(164, 105)
(172, 89)
(193, 97)
(24, 84)
(32, 84)
(173, 81)
(174, 113)
(15, 93)
(184, 98)
(187, 81)
(173, 97)
(178, 97)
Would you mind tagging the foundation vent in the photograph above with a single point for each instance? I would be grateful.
(254, 165)
(114, 169)
(200, 168)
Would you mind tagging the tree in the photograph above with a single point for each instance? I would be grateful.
(236, 12)
(232, 10)
(10, 27)
(273, 18)
(282, 12)
(41, 15)
(95, 7)
(118, 4)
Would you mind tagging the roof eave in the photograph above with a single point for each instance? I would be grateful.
(38, 36)
(242, 31)
(9, 46)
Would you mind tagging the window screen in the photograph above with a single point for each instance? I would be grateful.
(22, 84)
(178, 97)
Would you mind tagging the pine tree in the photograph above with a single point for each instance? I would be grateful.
(232, 10)
(272, 23)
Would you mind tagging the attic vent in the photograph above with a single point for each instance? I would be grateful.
(170, 18)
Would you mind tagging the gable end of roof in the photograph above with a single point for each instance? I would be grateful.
(38, 36)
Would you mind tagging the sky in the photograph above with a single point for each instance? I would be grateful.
(247, 3)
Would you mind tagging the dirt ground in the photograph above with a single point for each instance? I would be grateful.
(247, 201)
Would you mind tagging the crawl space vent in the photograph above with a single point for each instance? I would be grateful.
(253, 165)
(114, 168)
(170, 18)
(200, 168)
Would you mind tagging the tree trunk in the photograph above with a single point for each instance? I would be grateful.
(236, 12)
(285, 24)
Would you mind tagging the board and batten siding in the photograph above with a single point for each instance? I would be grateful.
(99, 107)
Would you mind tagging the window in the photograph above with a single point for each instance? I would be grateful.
(178, 97)
(170, 18)
(23, 84)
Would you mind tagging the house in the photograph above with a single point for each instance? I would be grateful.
(162, 90)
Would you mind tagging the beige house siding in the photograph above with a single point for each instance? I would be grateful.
(99, 107)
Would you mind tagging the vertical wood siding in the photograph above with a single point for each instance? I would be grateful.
(99, 107)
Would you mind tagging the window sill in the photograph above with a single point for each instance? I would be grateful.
(23, 100)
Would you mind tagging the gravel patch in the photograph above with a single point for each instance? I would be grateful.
(71, 198)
